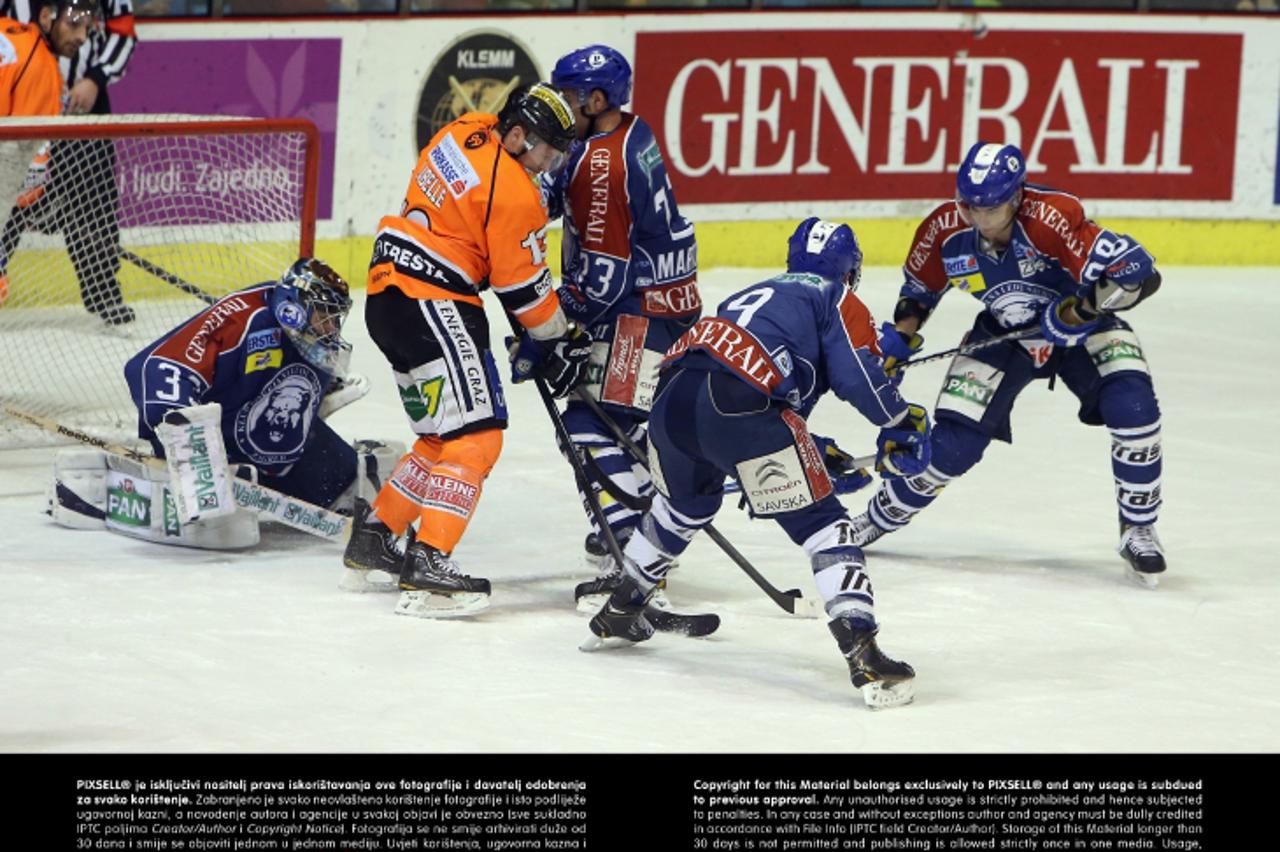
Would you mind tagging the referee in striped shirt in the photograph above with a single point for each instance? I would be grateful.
(81, 199)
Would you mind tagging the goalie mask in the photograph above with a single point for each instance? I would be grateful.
(827, 249)
(311, 302)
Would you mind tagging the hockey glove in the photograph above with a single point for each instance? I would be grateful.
(905, 449)
(560, 362)
(1068, 321)
(846, 478)
(897, 348)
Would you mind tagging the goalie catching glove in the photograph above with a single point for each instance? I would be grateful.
(561, 361)
(904, 449)
(844, 476)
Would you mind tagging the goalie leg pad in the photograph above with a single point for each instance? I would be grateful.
(141, 505)
(78, 497)
(197, 461)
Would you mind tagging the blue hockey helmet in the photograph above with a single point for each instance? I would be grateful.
(827, 249)
(310, 303)
(595, 66)
(990, 175)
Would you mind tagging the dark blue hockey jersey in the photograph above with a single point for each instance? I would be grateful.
(1055, 250)
(794, 337)
(234, 353)
(626, 248)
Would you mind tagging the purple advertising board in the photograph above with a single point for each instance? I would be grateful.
(258, 78)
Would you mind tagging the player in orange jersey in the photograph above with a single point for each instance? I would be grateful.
(31, 84)
(473, 217)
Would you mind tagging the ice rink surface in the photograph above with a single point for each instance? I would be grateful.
(1007, 596)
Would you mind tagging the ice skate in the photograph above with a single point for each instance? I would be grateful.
(116, 314)
(621, 621)
(865, 530)
(883, 682)
(1141, 550)
(432, 586)
(592, 594)
(374, 555)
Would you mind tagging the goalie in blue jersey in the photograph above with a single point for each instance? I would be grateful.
(239, 389)
(732, 400)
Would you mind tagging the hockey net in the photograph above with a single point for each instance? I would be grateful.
(119, 228)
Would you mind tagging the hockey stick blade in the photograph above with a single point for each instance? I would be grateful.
(785, 600)
(694, 625)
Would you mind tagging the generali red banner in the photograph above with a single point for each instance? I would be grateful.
(796, 115)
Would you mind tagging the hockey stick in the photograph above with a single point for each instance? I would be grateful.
(266, 502)
(965, 349)
(579, 470)
(167, 277)
(791, 600)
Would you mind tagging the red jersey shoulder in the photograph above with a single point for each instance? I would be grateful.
(924, 260)
(219, 328)
(1055, 223)
(858, 323)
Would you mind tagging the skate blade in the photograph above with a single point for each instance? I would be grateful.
(1141, 580)
(431, 605)
(597, 643)
(880, 695)
(591, 604)
(362, 580)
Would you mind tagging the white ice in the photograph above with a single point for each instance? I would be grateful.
(1007, 596)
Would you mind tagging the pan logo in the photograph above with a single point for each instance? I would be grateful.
(473, 74)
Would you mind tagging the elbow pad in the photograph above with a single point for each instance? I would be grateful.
(909, 307)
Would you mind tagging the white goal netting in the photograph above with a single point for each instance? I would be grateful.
(119, 228)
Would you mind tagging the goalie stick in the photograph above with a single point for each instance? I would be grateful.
(167, 277)
(266, 502)
(687, 624)
(791, 600)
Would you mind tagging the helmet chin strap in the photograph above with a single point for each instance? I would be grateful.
(590, 116)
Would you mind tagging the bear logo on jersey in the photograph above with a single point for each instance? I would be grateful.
(1015, 303)
(272, 428)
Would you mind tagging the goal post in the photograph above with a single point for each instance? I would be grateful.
(116, 229)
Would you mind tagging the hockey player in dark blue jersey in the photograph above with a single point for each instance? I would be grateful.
(732, 400)
(242, 383)
(266, 354)
(629, 268)
(1038, 264)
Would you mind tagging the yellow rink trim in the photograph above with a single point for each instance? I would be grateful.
(1174, 242)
